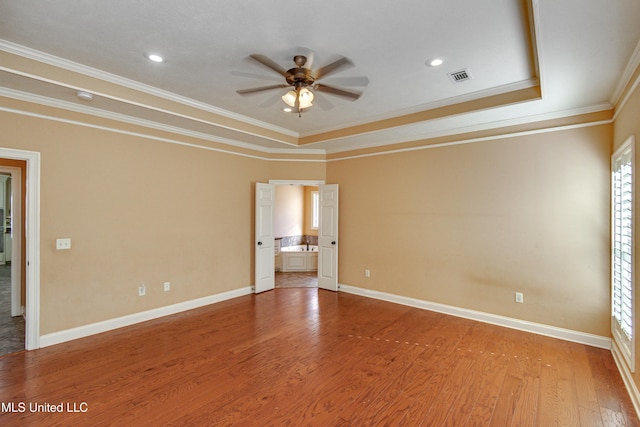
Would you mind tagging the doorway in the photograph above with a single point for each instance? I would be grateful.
(264, 238)
(296, 236)
(12, 291)
(26, 165)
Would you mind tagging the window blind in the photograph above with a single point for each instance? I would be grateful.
(622, 249)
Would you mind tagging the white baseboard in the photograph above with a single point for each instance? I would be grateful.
(508, 322)
(627, 377)
(131, 319)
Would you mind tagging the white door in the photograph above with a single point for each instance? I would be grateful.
(265, 271)
(328, 237)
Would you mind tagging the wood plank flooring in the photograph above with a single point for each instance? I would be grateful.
(309, 357)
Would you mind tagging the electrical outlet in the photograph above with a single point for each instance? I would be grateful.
(519, 297)
(62, 244)
(367, 273)
(167, 286)
(141, 290)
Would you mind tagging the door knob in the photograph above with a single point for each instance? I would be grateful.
(333, 243)
(259, 243)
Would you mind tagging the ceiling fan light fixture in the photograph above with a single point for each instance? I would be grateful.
(305, 98)
(289, 98)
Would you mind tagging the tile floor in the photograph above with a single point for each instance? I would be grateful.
(11, 328)
(305, 279)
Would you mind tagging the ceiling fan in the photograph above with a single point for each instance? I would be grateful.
(303, 81)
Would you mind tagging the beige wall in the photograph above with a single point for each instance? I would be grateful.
(288, 210)
(293, 211)
(628, 124)
(469, 225)
(292, 170)
(137, 211)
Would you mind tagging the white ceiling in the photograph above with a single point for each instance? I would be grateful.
(579, 53)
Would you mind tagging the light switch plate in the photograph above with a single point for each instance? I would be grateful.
(62, 244)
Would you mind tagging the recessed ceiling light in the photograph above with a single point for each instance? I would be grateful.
(154, 57)
(434, 62)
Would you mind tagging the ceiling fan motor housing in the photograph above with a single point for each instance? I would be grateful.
(299, 77)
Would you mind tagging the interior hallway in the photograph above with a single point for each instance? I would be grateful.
(11, 328)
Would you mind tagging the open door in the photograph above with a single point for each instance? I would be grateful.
(264, 241)
(328, 237)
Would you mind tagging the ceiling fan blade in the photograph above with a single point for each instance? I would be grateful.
(259, 89)
(307, 53)
(268, 63)
(310, 54)
(323, 102)
(358, 81)
(271, 100)
(338, 92)
(333, 67)
(255, 76)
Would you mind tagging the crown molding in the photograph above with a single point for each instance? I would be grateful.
(512, 87)
(64, 64)
(493, 125)
(475, 128)
(470, 141)
(625, 78)
(83, 109)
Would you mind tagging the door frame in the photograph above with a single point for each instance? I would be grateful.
(32, 230)
(310, 182)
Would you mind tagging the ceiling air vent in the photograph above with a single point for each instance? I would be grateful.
(460, 76)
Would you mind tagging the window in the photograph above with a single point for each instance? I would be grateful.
(315, 203)
(622, 322)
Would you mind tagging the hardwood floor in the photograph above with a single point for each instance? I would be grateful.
(303, 356)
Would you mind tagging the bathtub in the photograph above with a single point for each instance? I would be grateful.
(297, 258)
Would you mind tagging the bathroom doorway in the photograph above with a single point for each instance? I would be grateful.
(296, 233)
(265, 238)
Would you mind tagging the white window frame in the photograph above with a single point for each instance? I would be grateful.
(315, 210)
(622, 253)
